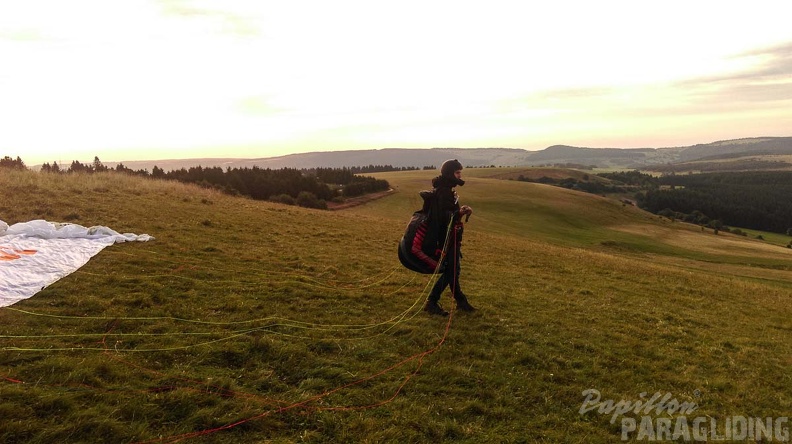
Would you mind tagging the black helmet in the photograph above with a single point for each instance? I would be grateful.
(449, 167)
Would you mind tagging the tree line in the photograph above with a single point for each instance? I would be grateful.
(305, 187)
(749, 199)
(756, 200)
(12, 164)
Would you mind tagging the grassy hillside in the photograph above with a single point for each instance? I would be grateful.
(729, 163)
(249, 321)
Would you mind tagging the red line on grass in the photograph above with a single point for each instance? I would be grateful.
(419, 356)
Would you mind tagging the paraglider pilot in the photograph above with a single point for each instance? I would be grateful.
(445, 210)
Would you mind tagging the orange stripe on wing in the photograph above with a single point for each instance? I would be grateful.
(10, 254)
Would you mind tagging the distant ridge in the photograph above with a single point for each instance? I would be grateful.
(759, 145)
(634, 158)
(397, 157)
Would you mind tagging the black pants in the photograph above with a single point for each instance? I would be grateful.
(450, 276)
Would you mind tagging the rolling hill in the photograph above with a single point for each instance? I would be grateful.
(760, 145)
(248, 321)
(624, 158)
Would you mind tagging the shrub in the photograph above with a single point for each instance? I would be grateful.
(284, 199)
(309, 200)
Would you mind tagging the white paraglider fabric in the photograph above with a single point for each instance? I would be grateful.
(35, 254)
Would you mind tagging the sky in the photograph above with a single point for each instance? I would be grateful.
(172, 79)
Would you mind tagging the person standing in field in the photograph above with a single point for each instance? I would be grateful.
(445, 210)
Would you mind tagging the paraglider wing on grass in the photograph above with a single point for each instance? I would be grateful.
(35, 254)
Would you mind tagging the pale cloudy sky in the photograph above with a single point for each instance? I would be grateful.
(157, 79)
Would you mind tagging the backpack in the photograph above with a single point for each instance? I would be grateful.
(418, 247)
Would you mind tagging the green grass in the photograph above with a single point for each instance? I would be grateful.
(773, 238)
(244, 312)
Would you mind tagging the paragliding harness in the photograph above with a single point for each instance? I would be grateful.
(418, 247)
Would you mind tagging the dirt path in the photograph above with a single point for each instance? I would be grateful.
(355, 201)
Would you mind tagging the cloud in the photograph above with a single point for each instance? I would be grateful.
(762, 83)
(258, 105)
(768, 79)
(228, 22)
(23, 35)
(778, 60)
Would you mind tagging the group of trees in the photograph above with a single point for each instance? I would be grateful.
(96, 167)
(620, 182)
(267, 184)
(307, 187)
(374, 169)
(757, 200)
(12, 164)
(698, 218)
(754, 199)
(352, 184)
(633, 178)
(586, 185)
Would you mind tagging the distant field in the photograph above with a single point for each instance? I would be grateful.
(743, 162)
(532, 173)
(250, 321)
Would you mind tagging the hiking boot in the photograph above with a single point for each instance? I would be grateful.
(434, 308)
(464, 305)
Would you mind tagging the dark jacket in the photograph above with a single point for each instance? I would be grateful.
(444, 205)
(421, 246)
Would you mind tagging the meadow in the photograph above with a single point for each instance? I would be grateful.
(251, 321)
